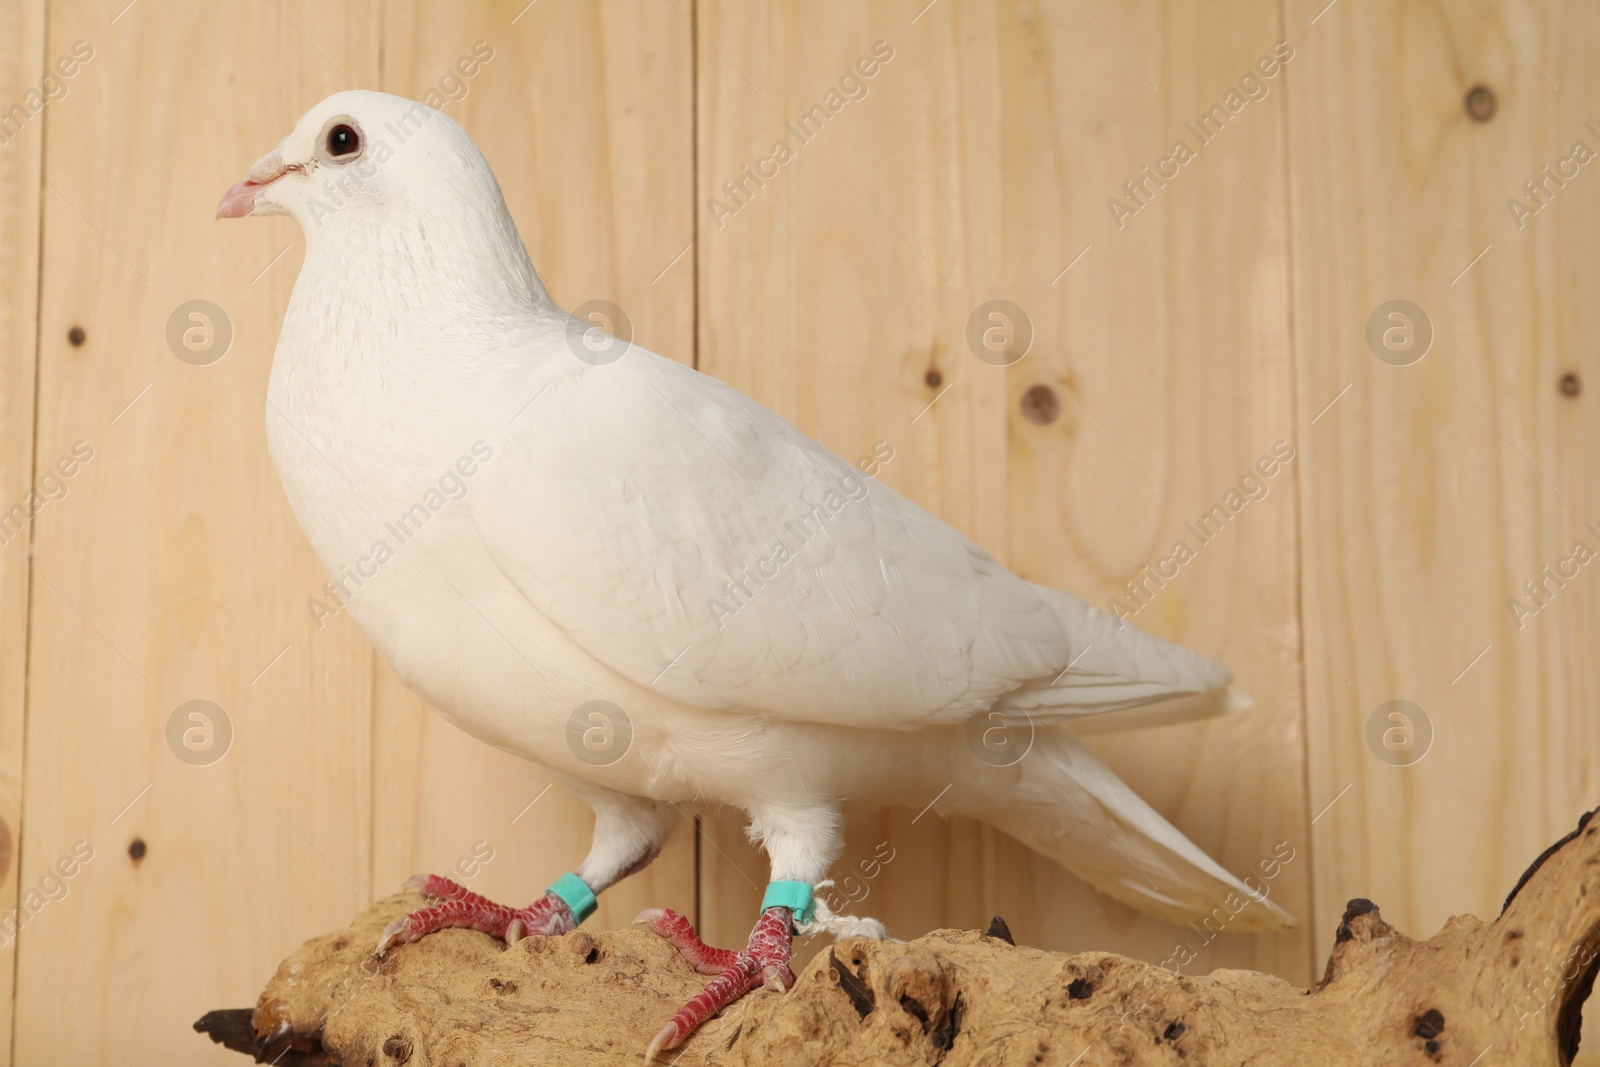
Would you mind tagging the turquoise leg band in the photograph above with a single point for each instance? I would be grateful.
(577, 896)
(796, 896)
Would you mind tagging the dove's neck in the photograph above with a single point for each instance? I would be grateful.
(402, 313)
(423, 268)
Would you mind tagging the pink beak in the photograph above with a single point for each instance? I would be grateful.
(240, 200)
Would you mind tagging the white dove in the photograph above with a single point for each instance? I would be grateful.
(603, 561)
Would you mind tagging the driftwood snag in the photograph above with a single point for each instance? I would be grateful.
(1514, 986)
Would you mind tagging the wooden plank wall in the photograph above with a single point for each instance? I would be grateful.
(21, 47)
(1434, 491)
(1226, 311)
(173, 571)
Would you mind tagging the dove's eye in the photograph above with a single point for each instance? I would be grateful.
(343, 140)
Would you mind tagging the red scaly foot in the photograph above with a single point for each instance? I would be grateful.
(765, 961)
(452, 905)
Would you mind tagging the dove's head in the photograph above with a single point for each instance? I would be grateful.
(368, 153)
(385, 179)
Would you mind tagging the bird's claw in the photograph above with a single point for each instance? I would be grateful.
(667, 1038)
(390, 932)
(763, 962)
(452, 905)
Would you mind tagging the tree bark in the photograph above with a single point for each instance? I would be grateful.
(1515, 986)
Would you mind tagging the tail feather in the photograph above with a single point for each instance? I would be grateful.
(1069, 806)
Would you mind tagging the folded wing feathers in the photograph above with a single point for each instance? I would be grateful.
(1114, 666)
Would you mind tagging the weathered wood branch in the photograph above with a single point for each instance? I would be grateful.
(952, 997)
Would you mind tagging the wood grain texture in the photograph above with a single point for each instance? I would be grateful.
(1166, 349)
(839, 293)
(21, 49)
(584, 112)
(173, 569)
(1432, 491)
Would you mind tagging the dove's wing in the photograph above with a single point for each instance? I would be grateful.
(692, 540)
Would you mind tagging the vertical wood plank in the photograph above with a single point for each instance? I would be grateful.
(585, 113)
(1434, 490)
(839, 293)
(1163, 357)
(21, 67)
(173, 571)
